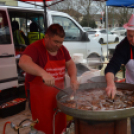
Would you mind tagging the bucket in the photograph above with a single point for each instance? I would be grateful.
(69, 118)
(77, 57)
(86, 76)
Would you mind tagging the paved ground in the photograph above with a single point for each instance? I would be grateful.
(16, 119)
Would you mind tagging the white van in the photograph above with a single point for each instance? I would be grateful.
(76, 40)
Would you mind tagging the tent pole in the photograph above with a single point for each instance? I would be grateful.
(107, 28)
(45, 17)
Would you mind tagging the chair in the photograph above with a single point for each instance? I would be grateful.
(34, 35)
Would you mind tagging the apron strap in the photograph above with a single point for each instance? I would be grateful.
(131, 53)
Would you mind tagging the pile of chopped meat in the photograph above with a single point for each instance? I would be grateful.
(97, 99)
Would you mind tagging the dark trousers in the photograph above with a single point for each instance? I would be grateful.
(132, 125)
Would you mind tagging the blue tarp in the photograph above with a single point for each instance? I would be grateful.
(120, 3)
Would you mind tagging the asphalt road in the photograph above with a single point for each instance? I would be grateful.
(110, 46)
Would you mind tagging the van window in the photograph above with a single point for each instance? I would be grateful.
(4, 29)
(26, 18)
(72, 32)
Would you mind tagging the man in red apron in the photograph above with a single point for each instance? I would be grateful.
(46, 60)
(124, 54)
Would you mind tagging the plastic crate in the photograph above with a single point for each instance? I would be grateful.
(12, 110)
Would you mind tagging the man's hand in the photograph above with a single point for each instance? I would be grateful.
(48, 79)
(111, 88)
(72, 72)
(111, 91)
(74, 84)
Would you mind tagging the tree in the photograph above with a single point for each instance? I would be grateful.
(91, 22)
(88, 9)
(70, 7)
(81, 8)
(117, 16)
(123, 14)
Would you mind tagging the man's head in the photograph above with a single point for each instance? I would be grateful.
(130, 30)
(130, 36)
(15, 25)
(54, 37)
(33, 27)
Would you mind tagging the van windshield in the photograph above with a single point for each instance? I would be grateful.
(4, 29)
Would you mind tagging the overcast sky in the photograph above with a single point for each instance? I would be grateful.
(22, 4)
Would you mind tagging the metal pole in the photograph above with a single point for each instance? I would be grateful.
(102, 21)
(107, 28)
(45, 17)
(113, 18)
(35, 4)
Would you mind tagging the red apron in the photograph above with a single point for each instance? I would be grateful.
(43, 99)
(130, 68)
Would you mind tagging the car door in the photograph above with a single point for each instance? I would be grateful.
(8, 68)
(72, 35)
(111, 37)
(122, 31)
(103, 35)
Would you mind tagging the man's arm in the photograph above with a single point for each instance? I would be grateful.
(72, 71)
(111, 88)
(120, 56)
(27, 64)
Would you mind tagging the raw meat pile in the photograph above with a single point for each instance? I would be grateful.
(97, 99)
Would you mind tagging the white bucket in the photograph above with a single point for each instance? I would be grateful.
(84, 78)
(78, 57)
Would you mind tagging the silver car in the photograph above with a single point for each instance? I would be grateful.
(119, 30)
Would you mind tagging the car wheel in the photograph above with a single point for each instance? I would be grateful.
(101, 41)
(116, 39)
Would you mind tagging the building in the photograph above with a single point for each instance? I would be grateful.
(9, 2)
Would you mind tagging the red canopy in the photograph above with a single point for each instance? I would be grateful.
(53, 0)
(36, 0)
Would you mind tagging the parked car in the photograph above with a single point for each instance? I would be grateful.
(119, 30)
(87, 29)
(101, 36)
